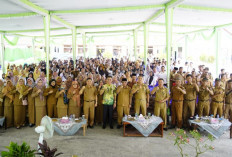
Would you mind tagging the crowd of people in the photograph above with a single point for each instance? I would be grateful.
(96, 87)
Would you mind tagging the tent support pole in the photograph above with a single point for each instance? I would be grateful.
(84, 44)
(186, 47)
(47, 19)
(2, 54)
(135, 34)
(33, 48)
(74, 46)
(218, 35)
(145, 34)
(168, 20)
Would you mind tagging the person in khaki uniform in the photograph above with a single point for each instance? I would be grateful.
(74, 106)
(31, 102)
(62, 102)
(123, 101)
(177, 96)
(90, 101)
(217, 99)
(50, 93)
(180, 75)
(19, 109)
(162, 95)
(1, 98)
(99, 108)
(141, 94)
(189, 99)
(228, 101)
(204, 96)
(172, 76)
(8, 103)
(40, 101)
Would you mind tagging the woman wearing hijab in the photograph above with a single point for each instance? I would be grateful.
(31, 102)
(1, 98)
(8, 103)
(36, 73)
(151, 80)
(69, 82)
(62, 103)
(50, 93)
(43, 78)
(40, 101)
(19, 109)
(74, 99)
(31, 75)
(58, 81)
(99, 108)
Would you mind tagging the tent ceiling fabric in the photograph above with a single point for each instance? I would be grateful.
(25, 23)
(92, 4)
(195, 17)
(108, 18)
(122, 16)
(210, 3)
(7, 7)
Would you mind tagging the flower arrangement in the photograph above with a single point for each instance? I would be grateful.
(199, 144)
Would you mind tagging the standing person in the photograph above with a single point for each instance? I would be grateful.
(217, 99)
(161, 97)
(40, 101)
(162, 74)
(151, 79)
(31, 102)
(43, 78)
(50, 93)
(109, 101)
(8, 103)
(133, 80)
(90, 101)
(228, 101)
(189, 99)
(123, 101)
(141, 94)
(204, 98)
(74, 106)
(177, 96)
(62, 102)
(1, 97)
(180, 75)
(172, 76)
(19, 109)
(68, 82)
(99, 108)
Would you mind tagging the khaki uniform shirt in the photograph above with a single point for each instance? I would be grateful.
(123, 96)
(191, 92)
(203, 94)
(176, 94)
(216, 91)
(228, 97)
(90, 93)
(161, 94)
(141, 94)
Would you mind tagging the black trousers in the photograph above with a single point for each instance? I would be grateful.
(108, 114)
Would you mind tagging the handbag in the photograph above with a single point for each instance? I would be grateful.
(24, 102)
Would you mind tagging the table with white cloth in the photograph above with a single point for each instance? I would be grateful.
(215, 130)
(152, 126)
(70, 128)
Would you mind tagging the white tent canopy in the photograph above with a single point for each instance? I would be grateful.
(189, 15)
